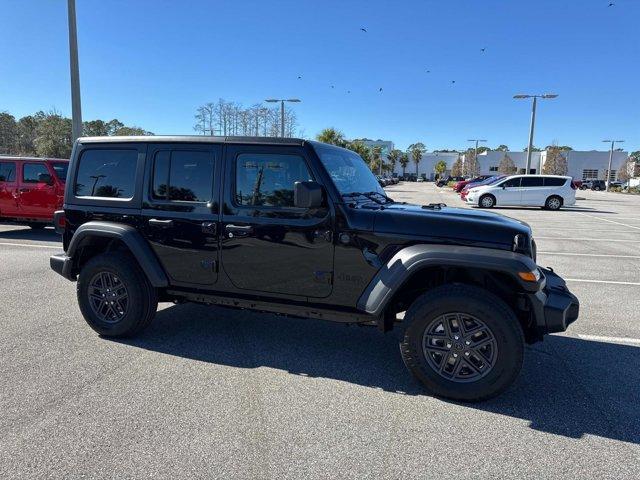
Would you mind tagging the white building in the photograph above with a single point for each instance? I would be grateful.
(582, 165)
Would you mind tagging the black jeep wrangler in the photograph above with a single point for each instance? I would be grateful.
(301, 228)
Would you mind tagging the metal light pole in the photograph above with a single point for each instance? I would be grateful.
(282, 100)
(477, 140)
(76, 109)
(533, 122)
(613, 143)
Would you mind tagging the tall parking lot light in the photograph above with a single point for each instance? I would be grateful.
(282, 100)
(613, 143)
(76, 109)
(533, 121)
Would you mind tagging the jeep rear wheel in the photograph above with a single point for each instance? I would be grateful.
(115, 296)
(462, 342)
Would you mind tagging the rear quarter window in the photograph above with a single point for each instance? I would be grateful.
(106, 173)
(554, 182)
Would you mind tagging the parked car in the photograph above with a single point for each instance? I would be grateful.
(31, 189)
(549, 191)
(302, 228)
(420, 179)
(460, 184)
(487, 181)
(445, 180)
(598, 185)
(616, 183)
(586, 185)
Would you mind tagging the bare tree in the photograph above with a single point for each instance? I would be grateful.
(555, 163)
(470, 166)
(507, 166)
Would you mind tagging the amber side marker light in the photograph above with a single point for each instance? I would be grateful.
(529, 276)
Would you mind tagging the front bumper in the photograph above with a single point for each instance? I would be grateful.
(62, 265)
(554, 307)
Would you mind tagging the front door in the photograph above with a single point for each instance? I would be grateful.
(8, 189)
(180, 213)
(269, 245)
(510, 193)
(37, 199)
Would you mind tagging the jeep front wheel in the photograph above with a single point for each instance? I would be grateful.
(115, 296)
(462, 342)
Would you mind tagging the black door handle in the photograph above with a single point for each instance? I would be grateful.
(238, 230)
(160, 223)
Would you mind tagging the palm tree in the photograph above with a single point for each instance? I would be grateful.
(376, 159)
(394, 157)
(404, 161)
(332, 136)
(417, 150)
(361, 149)
(440, 167)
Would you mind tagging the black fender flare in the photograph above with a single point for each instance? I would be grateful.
(416, 257)
(128, 235)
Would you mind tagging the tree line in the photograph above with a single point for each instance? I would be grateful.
(48, 134)
(231, 118)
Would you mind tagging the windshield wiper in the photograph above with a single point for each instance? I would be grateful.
(371, 196)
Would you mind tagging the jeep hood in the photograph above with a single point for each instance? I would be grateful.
(449, 224)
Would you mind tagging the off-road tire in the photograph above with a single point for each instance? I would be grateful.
(554, 202)
(142, 297)
(483, 202)
(482, 304)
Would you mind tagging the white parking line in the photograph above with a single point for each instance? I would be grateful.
(588, 239)
(610, 221)
(588, 255)
(598, 338)
(57, 247)
(612, 282)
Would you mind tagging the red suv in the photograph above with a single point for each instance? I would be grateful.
(31, 189)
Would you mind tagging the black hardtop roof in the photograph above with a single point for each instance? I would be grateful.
(194, 139)
(32, 159)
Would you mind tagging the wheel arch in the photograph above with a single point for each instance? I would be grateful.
(417, 269)
(97, 237)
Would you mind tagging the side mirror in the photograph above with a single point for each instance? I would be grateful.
(307, 195)
(45, 178)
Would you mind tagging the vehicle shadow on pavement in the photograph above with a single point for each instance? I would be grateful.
(44, 235)
(568, 386)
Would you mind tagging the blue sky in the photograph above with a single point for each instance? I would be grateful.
(151, 63)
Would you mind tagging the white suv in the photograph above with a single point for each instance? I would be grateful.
(548, 191)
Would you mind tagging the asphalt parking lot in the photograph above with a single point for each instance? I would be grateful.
(211, 393)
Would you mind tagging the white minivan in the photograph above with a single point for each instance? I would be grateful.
(547, 191)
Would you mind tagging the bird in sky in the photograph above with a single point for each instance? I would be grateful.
(452, 82)
(483, 49)
(333, 86)
(428, 71)
(299, 77)
(364, 30)
(611, 4)
(380, 89)
(348, 91)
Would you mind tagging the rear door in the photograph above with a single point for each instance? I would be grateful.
(37, 198)
(180, 211)
(8, 189)
(533, 191)
(268, 244)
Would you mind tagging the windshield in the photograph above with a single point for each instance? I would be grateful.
(61, 170)
(347, 169)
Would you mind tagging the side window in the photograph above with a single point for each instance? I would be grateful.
(61, 170)
(7, 171)
(532, 182)
(183, 175)
(106, 173)
(554, 182)
(31, 172)
(512, 182)
(268, 179)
